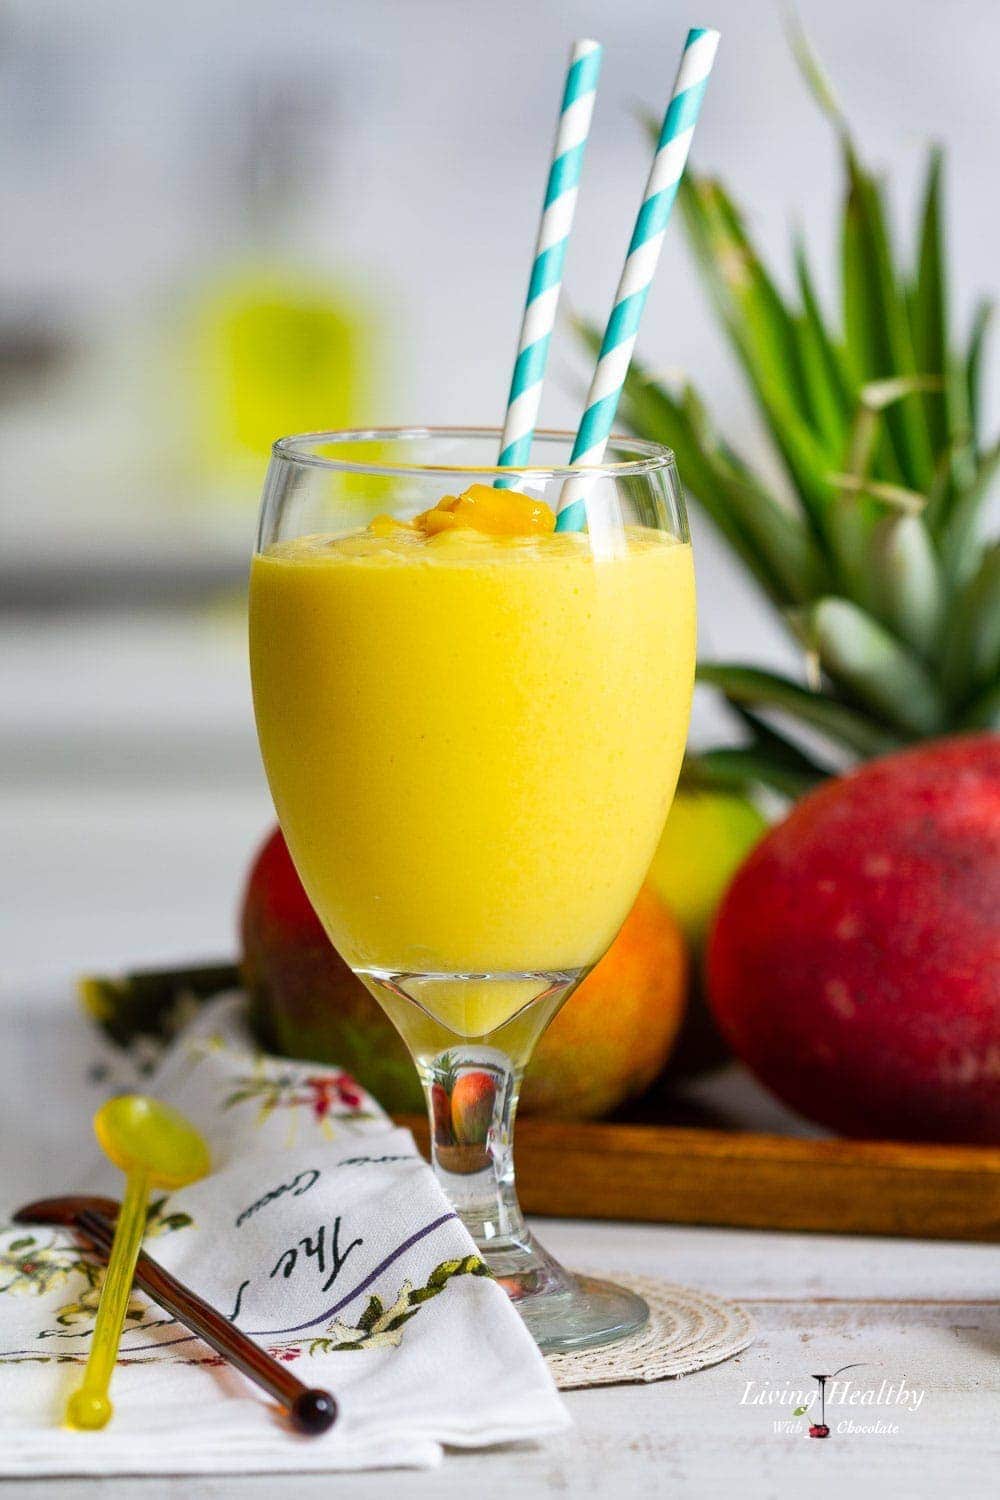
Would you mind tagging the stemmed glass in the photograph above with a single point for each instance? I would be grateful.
(472, 748)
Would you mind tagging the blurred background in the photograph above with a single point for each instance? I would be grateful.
(226, 221)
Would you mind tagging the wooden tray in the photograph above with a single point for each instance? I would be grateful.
(681, 1173)
(676, 1175)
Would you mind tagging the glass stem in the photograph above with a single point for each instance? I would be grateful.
(472, 1094)
(472, 1086)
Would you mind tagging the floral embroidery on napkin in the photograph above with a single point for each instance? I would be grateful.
(379, 1326)
(326, 1095)
(32, 1266)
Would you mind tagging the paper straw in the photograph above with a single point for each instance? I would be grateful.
(550, 253)
(639, 269)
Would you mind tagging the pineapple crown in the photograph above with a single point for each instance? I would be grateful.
(875, 556)
(446, 1069)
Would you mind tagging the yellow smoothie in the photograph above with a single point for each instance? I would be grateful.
(472, 740)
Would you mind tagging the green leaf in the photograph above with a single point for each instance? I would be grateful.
(876, 321)
(960, 545)
(753, 687)
(740, 767)
(779, 535)
(772, 540)
(766, 737)
(854, 509)
(909, 587)
(649, 411)
(874, 668)
(443, 1273)
(826, 416)
(860, 499)
(971, 662)
(874, 398)
(371, 1314)
(762, 332)
(177, 1221)
(983, 712)
(955, 470)
(770, 760)
(928, 305)
(812, 70)
(876, 395)
(981, 321)
(830, 388)
(400, 1319)
(962, 467)
(907, 502)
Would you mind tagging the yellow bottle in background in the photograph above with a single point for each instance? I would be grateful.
(275, 350)
(277, 335)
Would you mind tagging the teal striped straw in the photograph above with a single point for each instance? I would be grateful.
(639, 269)
(550, 253)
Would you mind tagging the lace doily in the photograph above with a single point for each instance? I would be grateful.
(687, 1330)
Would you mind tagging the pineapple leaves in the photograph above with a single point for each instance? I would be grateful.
(831, 391)
(928, 304)
(754, 688)
(812, 71)
(984, 711)
(770, 759)
(960, 545)
(732, 768)
(971, 661)
(763, 333)
(879, 341)
(880, 558)
(895, 496)
(771, 539)
(873, 668)
(909, 585)
(973, 366)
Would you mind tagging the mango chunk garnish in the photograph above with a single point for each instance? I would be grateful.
(483, 508)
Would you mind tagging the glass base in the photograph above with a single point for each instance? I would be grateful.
(562, 1311)
(583, 1315)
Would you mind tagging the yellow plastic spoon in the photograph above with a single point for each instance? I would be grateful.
(155, 1146)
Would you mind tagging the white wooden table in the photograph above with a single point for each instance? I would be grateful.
(129, 801)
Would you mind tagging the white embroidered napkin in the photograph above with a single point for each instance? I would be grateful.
(321, 1231)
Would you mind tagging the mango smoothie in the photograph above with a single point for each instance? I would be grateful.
(472, 730)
